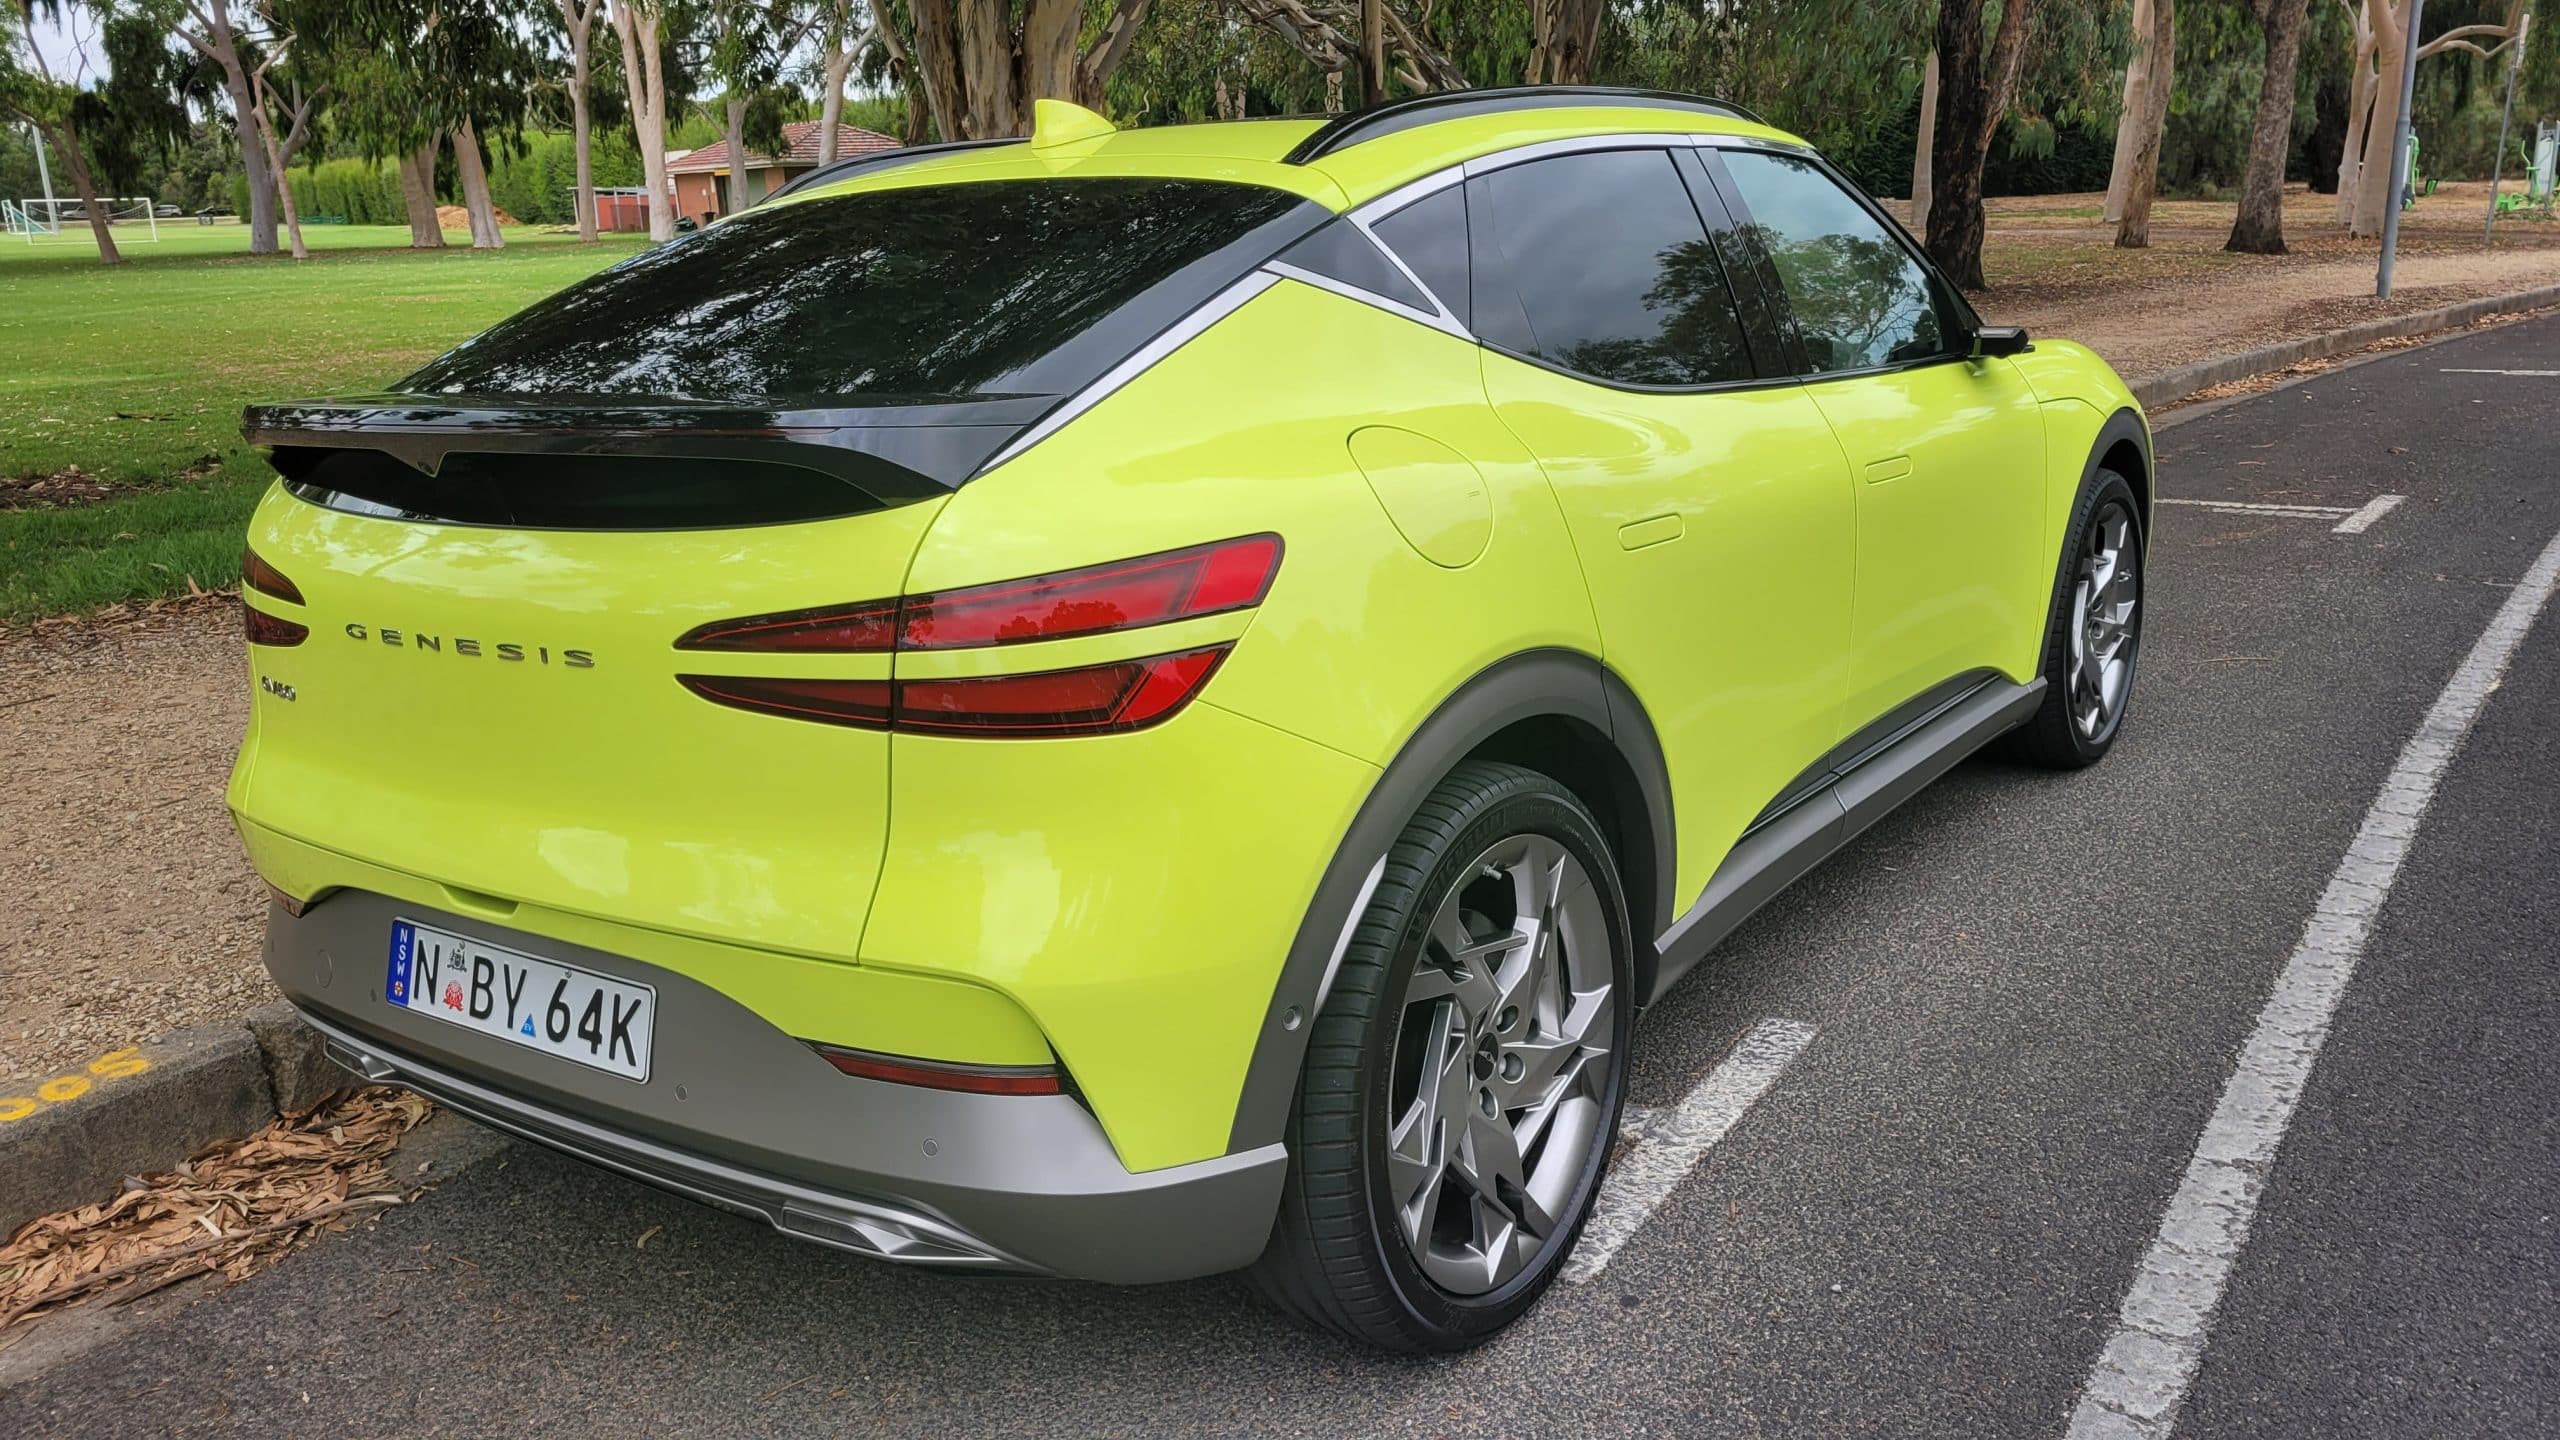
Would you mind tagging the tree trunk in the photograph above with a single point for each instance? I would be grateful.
(1928, 139)
(742, 185)
(1568, 35)
(2326, 143)
(475, 190)
(418, 195)
(644, 81)
(277, 163)
(2133, 232)
(1093, 72)
(1048, 51)
(2008, 57)
(2137, 103)
(838, 57)
(581, 122)
(1373, 53)
(2373, 176)
(2259, 230)
(64, 136)
(1955, 159)
(938, 67)
(2360, 88)
(253, 156)
(987, 76)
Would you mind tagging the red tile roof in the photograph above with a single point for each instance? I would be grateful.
(800, 150)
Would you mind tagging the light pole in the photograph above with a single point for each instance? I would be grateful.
(2497, 157)
(2399, 153)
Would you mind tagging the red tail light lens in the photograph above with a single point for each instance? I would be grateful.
(265, 629)
(266, 579)
(1107, 699)
(1176, 585)
(863, 703)
(1092, 700)
(1124, 595)
(941, 1075)
(867, 628)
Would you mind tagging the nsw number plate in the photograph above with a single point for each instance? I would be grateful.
(543, 1005)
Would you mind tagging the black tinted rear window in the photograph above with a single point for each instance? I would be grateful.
(1001, 287)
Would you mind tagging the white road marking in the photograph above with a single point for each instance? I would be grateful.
(2352, 519)
(2532, 374)
(2141, 1377)
(2361, 521)
(1665, 1144)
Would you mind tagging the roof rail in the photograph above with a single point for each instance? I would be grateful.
(1344, 131)
(883, 160)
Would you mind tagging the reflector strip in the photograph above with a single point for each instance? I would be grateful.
(941, 1075)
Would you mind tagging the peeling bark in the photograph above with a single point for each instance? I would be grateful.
(2259, 229)
(2133, 231)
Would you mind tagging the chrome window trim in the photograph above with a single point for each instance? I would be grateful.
(1365, 215)
(1444, 322)
(1173, 337)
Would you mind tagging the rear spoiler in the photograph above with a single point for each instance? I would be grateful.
(578, 462)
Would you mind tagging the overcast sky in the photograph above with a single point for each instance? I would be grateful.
(69, 41)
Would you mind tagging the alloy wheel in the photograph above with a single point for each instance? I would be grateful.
(1502, 1064)
(2105, 621)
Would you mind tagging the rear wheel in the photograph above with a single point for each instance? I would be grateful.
(1463, 1083)
(2093, 634)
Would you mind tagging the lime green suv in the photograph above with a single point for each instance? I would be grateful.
(1135, 704)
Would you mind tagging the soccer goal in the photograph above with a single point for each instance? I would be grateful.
(55, 218)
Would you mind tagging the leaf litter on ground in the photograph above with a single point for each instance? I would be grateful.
(233, 1209)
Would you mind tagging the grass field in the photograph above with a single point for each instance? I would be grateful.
(136, 375)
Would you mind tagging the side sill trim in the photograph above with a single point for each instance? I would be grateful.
(1781, 850)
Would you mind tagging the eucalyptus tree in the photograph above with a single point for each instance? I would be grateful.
(2364, 172)
(748, 41)
(2259, 227)
(577, 30)
(226, 34)
(44, 91)
(1331, 35)
(644, 29)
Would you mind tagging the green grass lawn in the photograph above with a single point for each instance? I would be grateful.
(136, 374)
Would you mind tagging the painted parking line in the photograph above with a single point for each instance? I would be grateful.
(1662, 1146)
(2142, 1374)
(2351, 519)
(2529, 374)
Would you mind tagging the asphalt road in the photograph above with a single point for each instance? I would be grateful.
(2027, 992)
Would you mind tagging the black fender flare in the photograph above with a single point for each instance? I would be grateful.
(1534, 685)
(2126, 427)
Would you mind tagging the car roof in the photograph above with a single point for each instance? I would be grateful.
(1339, 163)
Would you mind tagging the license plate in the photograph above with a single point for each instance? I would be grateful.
(578, 1015)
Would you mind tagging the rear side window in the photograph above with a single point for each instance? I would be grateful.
(973, 290)
(1614, 273)
(1431, 236)
(1860, 300)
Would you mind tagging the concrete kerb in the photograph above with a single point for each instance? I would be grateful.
(71, 1139)
(2177, 384)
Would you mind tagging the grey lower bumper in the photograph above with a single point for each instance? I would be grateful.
(740, 1115)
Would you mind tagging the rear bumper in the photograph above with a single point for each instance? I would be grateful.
(738, 1114)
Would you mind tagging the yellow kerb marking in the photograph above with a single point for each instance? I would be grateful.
(117, 1063)
(63, 1087)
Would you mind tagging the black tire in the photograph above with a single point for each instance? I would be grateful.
(1337, 1258)
(2053, 739)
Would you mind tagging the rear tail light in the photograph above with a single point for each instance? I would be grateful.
(1107, 699)
(266, 579)
(1125, 595)
(942, 1075)
(1102, 699)
(265, 629)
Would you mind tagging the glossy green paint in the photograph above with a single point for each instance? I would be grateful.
(1687, 512)
(1125, 902)
(1949, 464)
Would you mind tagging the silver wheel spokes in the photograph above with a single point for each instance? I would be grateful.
(2104, 615)
(1501, 1064)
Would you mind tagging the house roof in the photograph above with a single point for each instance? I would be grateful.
(800, 149)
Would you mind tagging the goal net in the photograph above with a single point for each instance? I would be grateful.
(135, 217)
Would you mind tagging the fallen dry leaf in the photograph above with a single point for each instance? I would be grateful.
(232, 1209)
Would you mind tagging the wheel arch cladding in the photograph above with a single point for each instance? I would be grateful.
(1559, 712)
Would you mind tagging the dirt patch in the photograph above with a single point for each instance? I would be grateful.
(68, 486)
(132, 910)
(454, 217)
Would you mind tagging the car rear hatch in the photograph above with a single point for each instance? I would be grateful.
(494, 563)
